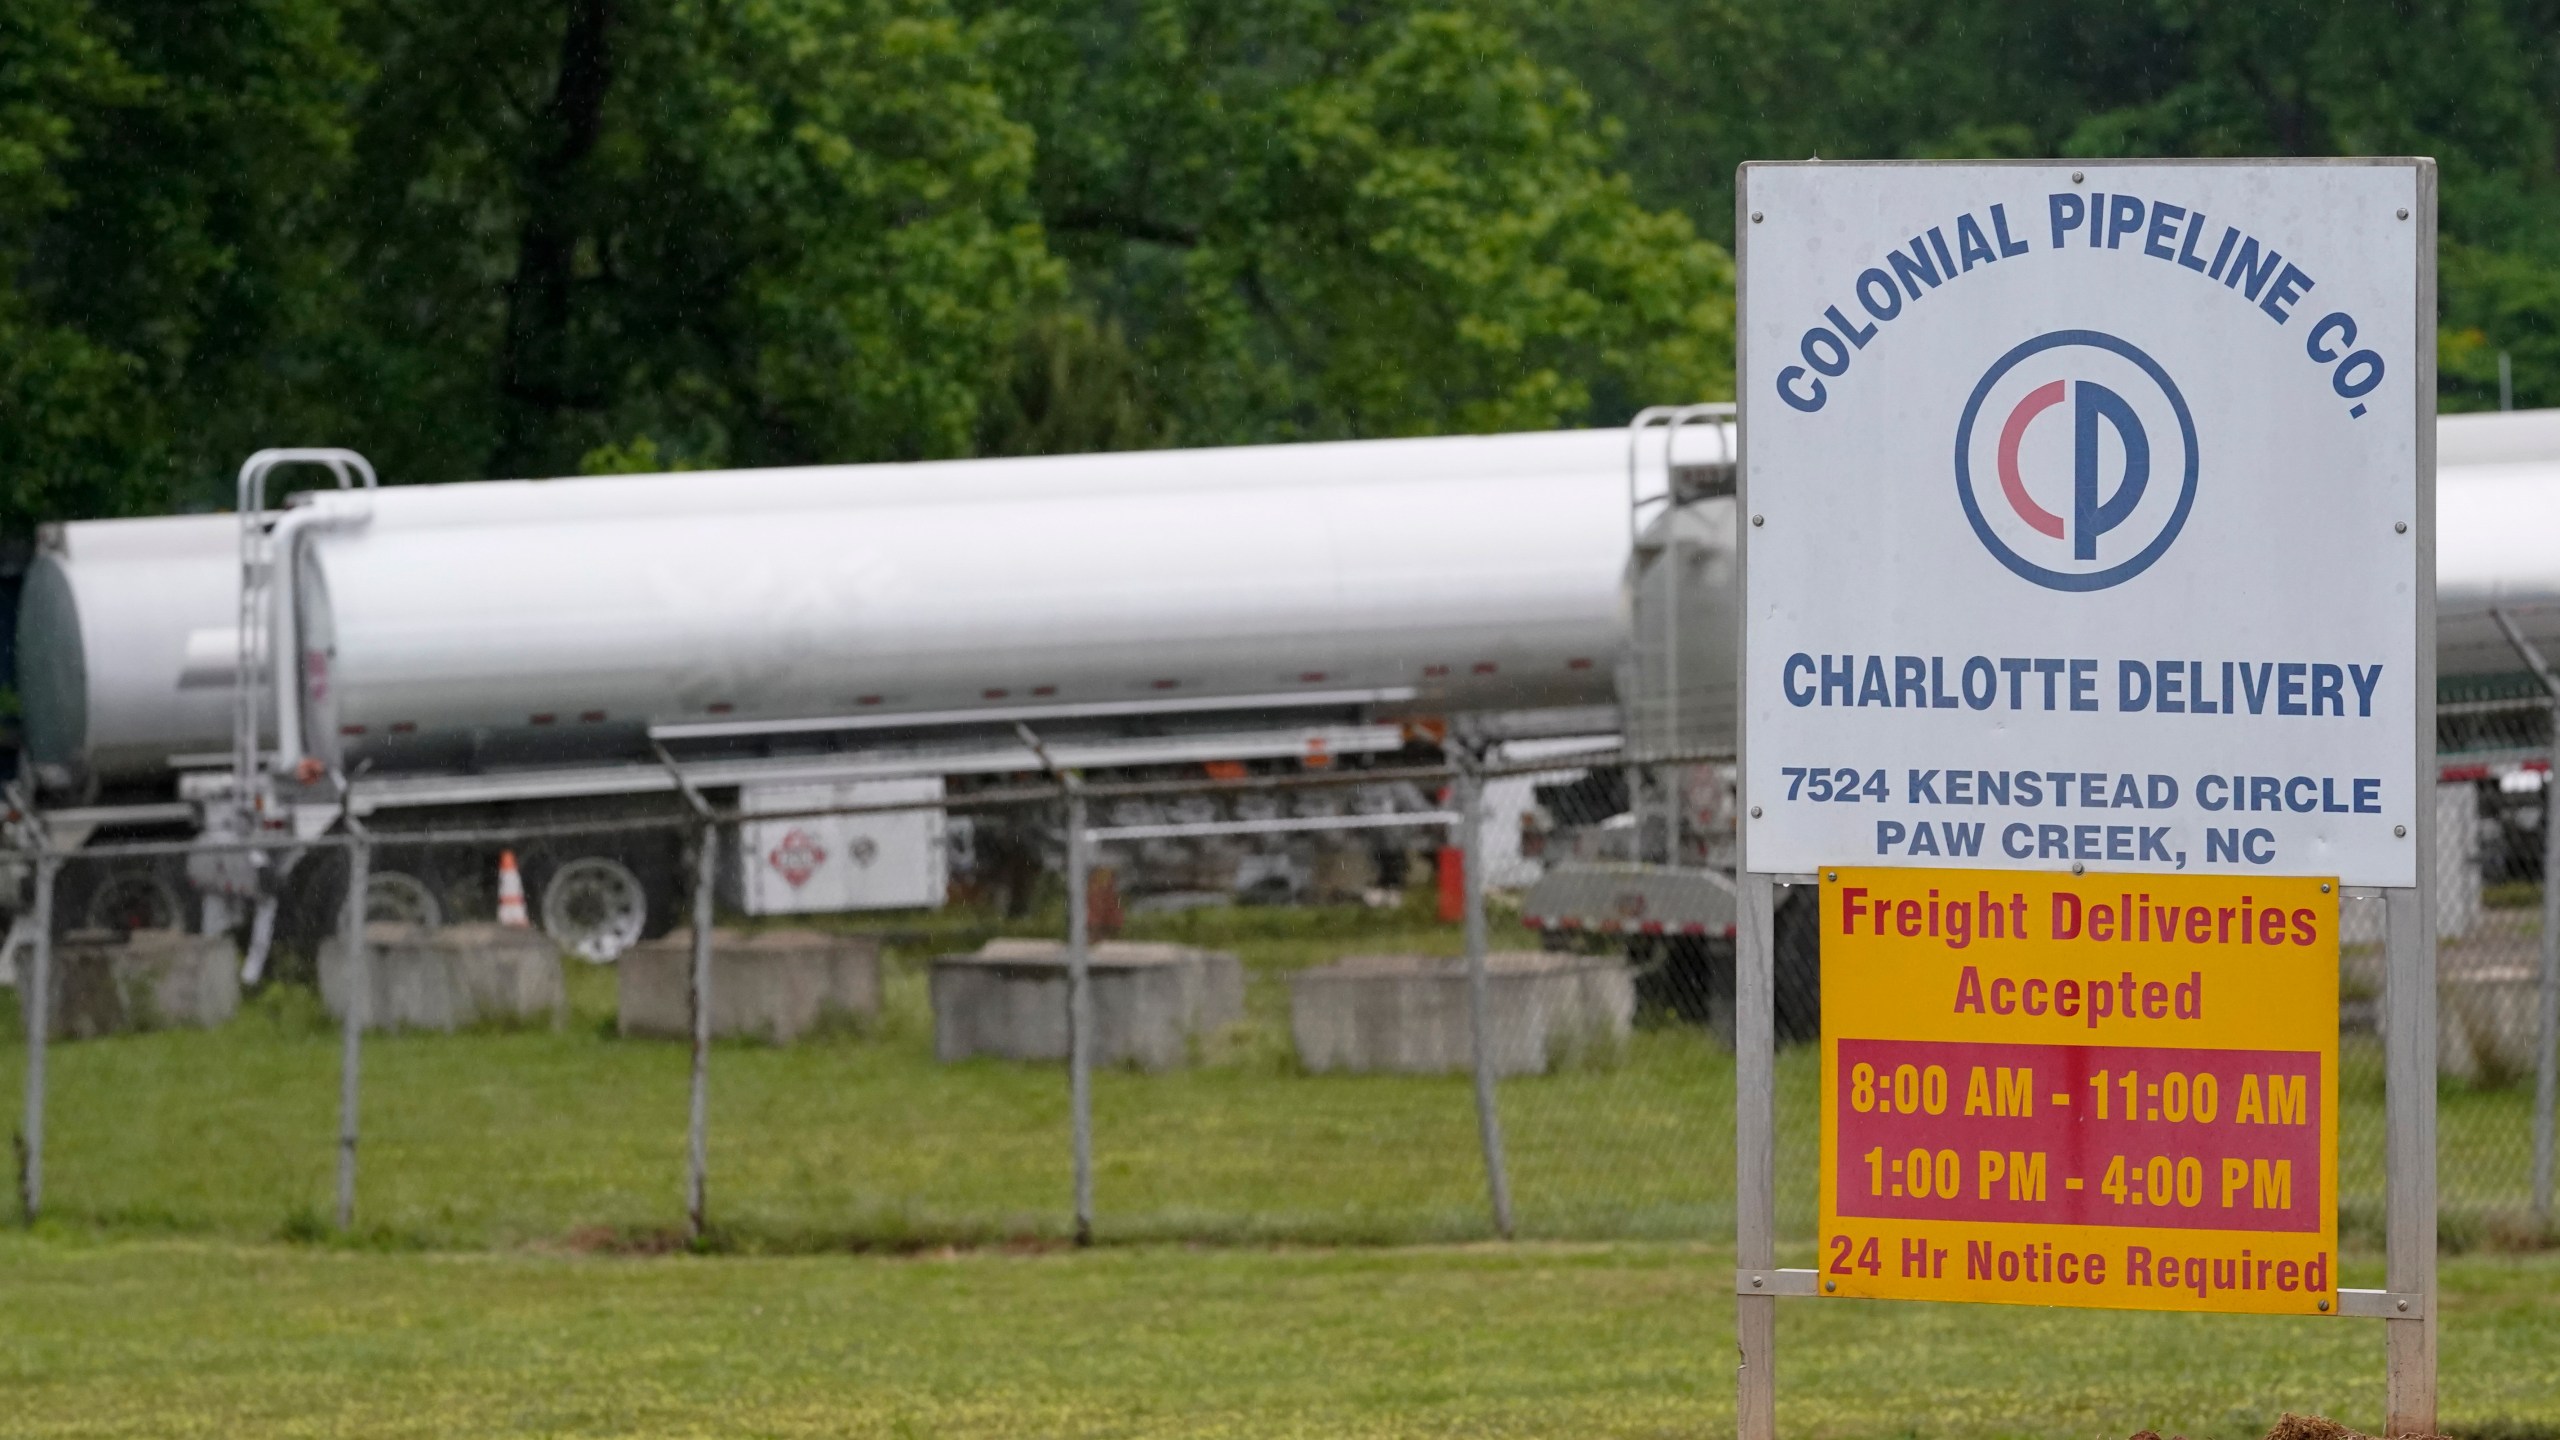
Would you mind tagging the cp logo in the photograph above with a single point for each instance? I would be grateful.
(2076, 460)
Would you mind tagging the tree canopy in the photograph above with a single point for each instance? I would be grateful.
(524, 237)
(1697, 88)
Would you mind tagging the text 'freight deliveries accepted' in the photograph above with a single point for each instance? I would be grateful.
(2085, 518)
(2118, 1092)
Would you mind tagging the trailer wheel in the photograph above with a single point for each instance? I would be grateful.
(135, 899)
(595, 907)
(394, 897)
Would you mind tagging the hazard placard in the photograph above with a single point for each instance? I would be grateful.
(2107, 1091)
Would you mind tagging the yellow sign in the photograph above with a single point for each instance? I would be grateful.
(2101, 1090)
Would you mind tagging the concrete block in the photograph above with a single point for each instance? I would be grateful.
(774, 985)
(2487, 1020)
(1343, 872)
(450, 977)
(106, 983)
(1150, 1001)
(1408, 1014)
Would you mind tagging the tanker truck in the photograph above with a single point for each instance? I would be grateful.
(576, 650)
(514, 651)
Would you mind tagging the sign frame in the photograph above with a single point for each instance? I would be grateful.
(2408, 1303)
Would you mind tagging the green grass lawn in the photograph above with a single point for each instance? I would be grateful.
(184, 1280)
(503, 1138)
(180, 1337)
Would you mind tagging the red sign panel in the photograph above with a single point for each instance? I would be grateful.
(2119, 1135)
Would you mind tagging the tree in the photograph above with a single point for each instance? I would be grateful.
(161, 169)
(1312, 222)
(59, 391)
(747, 231)
(1700, 89)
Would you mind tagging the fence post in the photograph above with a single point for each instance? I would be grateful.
(35, 997)
(698, 1116)
(357, 955)
(2409, 1151)
(2546, 1066)
(1755, 1158)
(1080, 1005)
(1497, 1177)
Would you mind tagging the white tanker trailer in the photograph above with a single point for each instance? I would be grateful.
(2497, 539)
(131, 626)
(516, 650)
(522, 650)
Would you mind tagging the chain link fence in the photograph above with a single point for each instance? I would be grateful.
(1284, 1038)
(2498, 971)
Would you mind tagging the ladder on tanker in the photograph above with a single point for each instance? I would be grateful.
(1668, 693)
(1667, 887)
(266, 679)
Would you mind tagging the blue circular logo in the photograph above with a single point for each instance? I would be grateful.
(2071, 504)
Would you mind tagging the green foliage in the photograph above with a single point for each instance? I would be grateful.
(640, 455)
(1314, 222)
(1698, 88)
(1072, 386)
(766, 232)
(526, 239)
(476, 238)
(161, 171)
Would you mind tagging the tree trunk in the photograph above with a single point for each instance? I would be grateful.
(537, 376)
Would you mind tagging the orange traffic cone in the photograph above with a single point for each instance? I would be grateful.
(511, 892)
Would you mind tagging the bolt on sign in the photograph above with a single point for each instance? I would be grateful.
(2084, 516)
(2116, 1092)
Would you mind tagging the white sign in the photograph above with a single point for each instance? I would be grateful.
(2085, 515)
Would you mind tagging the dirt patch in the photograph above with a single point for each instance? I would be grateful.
(620, 1240)
(2300, 1427)
(648, 1241)
(2310, 1427)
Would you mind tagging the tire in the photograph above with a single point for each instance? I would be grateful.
(595, 907)
(122, 895)
(400, 898)
(1690, 981)
(1684, 980)
(139, 898)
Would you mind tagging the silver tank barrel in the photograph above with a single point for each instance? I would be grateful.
(126, 651)
(1477, 591)
(127, 645)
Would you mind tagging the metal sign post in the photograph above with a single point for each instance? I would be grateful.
(2090, 528)
(1468, 793)
(1755, 1160)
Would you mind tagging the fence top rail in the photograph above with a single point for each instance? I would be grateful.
(995, 798)
(1276, 825)
(2518, 705)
